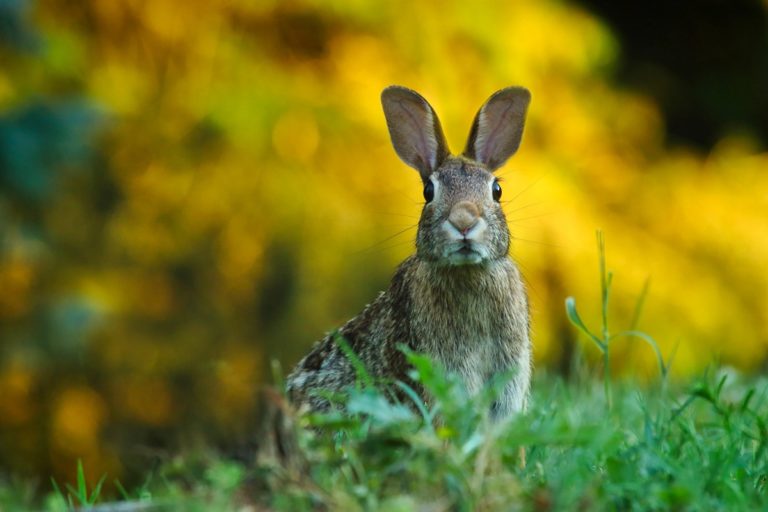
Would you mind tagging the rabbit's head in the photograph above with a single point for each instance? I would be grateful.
(462, 222)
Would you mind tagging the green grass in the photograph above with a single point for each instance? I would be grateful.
(591, 443)
(698, 446)
(78, 496)
(701, 447)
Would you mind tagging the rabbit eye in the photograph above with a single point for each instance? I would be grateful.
(429, 191)
(496, 191)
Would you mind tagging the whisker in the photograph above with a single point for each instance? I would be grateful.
(529, 218)
(522, 207)
(399, 215)
(526, 189)
(397, 244)
(533, 290)
(546, 244)
(381, 242)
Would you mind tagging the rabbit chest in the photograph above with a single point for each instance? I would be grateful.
(474, 319)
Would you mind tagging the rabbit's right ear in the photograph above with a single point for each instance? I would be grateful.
(498, 127)
(414, 128)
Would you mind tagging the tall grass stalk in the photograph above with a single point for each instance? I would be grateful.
(605, 338)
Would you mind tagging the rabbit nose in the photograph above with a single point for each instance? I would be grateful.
(464, 216)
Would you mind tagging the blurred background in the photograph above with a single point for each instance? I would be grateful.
(189, 190)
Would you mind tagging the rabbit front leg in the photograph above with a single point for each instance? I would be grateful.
(513, 399)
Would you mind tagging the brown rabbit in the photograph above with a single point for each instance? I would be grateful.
(460, 299)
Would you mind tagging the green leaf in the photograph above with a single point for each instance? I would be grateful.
(97, 490)
(121, 489)
(375, 406)
(575, 319)
(663, 367)
(417, 401)
(82, 488)
(60, 501)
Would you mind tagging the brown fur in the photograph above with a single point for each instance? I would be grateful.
(460, 299)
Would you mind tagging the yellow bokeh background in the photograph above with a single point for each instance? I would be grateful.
(256, 203)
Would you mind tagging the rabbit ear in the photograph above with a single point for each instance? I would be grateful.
(498, 127)
(415, 129)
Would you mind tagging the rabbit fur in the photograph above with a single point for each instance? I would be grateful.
(460, 298)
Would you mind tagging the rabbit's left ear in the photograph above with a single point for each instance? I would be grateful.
(498, 127)
(415, 129)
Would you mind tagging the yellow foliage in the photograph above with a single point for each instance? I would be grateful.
(257, 202)
(17, 384)
(77, 421)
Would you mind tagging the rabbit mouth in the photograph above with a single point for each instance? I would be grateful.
(465, 254)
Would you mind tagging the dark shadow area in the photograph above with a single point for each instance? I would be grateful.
(705, 62)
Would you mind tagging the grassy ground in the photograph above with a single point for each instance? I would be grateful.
(590, 443)
(699, 446)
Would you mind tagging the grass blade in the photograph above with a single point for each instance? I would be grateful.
(663, 368)
(360, 370)
(575, 319)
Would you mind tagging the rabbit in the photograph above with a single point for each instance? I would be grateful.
(460, 298)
